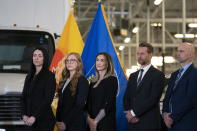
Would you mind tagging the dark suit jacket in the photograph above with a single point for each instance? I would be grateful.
(184, 100)
(70, 108)
(144, 100)
(37, 96)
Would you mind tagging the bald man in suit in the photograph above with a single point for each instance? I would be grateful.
(180, 102)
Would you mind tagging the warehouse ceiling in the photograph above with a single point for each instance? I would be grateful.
(125, 15)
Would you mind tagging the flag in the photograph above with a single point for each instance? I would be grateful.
(70, 41)
(99, 40)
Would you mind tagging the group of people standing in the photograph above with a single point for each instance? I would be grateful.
(82, 105)
(145, 87)
(91, 105)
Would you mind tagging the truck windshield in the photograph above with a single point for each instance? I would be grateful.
(16, 48)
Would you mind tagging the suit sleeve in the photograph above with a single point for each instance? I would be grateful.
(82, 93)
(127, 97)
(190, 98)
(24, 98)
(49, 91)
(153, 100)
(58, 111)
(110, 100)
(167, 96)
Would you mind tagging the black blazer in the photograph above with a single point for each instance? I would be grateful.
(70, 108)
(183, 100)
(104, 97)
(144, 100)
(37, 96)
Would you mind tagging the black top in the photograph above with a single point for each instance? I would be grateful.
(70, 108)
(37, 96)
(103, 97)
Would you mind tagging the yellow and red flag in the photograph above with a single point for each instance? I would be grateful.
(70, 41)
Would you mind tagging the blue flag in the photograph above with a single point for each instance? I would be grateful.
(99, 40)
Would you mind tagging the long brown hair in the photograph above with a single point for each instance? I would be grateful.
(66, 73)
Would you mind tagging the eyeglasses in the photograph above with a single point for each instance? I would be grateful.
(70, 60)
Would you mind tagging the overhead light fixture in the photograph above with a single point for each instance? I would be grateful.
(127, 40)
(158, 60)
(135, 29)
(157, 2)
(124, 32)
(169, 59)
(156, 24)
(186, 36)
(192, 25)
(121, 47)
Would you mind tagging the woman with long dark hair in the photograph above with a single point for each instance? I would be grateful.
(101, 103)
(73, 91)
(38, 93)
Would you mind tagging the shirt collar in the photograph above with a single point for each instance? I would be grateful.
(146, 68)
(185, 67)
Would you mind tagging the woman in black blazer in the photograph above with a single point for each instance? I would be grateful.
(38, 93)
(73, 91)
(101, 105)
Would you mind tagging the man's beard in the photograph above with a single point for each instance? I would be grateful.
(142, 62)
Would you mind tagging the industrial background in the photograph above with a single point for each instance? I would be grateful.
(163, 23)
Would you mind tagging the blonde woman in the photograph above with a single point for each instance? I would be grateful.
(73, 91)
(101, 104)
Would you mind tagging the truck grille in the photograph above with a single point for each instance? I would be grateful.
(10, 109)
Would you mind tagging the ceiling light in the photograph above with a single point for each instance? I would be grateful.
(124, 32)
(169, 59)
(127, 40)
(121, 47)
(189, 35)
(156, 24)
(158, 60)
(159, 24)
(135, 29)
(157, 2)
(186, 36)
(192, 25)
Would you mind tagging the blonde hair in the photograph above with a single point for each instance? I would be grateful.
(66, 73)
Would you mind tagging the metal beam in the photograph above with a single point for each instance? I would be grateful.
(155, 45)
(171, 37)
(167, 20)
(148, 21)
(140, 4)
(87, 10)
(184, 17)
(163, 27)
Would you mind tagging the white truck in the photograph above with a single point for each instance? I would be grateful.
(24, 24)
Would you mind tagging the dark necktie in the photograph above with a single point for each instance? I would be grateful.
(140, 77)
(178, 77)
